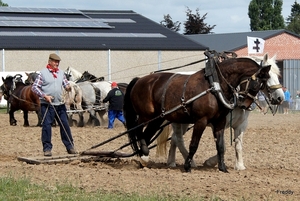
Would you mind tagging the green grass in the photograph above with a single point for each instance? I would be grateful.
(22, 189)
(3, 110)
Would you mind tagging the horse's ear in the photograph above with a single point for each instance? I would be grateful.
(3, 79)
(27, 73)
(274, 58)
(265, 58)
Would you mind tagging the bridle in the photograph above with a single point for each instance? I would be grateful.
(253, 84)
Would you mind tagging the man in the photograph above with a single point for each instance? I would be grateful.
(115, 97)
(49, 87)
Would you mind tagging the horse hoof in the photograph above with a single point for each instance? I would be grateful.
(240, 167)
(144, 160)
(171, 165)
(187, 167)
(223, 169)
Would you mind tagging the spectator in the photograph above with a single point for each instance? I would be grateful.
(287, 99)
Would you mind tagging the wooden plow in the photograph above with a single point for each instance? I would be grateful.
(89, 154)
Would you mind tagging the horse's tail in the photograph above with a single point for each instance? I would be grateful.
(130, 116)
(161, 141)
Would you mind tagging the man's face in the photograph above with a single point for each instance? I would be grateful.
(54, 63)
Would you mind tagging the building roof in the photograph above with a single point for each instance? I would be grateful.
(46, 28)
(233, 41)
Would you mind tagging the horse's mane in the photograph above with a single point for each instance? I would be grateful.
(274, 67)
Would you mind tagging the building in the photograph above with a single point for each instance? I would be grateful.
(282, 43)
(118, 45)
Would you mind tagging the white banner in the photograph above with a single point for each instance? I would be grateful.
(255, 45)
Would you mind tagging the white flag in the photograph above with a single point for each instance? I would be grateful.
(255, 45)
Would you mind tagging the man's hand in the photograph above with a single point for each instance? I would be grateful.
(48, 99)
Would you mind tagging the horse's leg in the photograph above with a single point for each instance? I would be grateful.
(218, 131)
(39, 116)
(93, 118)
(172, 151)
(239, 164)
(12, 120)
(101, 114)
(70, 119)
(177, 140)
(145, 139)
(199, 127)
(25, 116)
(80, 122)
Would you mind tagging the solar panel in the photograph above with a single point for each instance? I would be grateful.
(74, 24)
(83, 34)
(39, 10)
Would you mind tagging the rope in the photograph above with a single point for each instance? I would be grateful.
(192, 63)
(62, 126)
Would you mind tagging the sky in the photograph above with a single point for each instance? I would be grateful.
(228, 16)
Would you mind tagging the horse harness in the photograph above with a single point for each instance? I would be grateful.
(211, 74)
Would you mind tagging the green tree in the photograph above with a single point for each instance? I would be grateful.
(293, 21)
(168, 23)
(3, 4)
(195, 23)
(265, 15)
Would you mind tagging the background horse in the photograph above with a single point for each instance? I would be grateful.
(20, 97)
(93, 94)
(86, 76)
(190, 99)
(73, 102)
(238, 120)
(72, 74)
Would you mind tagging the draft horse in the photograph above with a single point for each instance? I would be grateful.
(237, 119)
(203, 98)
(20, 97)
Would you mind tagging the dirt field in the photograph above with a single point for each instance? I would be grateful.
(271, 155)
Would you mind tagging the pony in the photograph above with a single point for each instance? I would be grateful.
(73, 102)
(203, 98)
(20, 97)
(237, 119)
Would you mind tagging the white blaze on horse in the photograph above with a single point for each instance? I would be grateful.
(238, 119)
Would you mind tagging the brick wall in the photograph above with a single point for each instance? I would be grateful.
(285, 46)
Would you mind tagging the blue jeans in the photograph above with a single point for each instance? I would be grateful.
(112, 115)
(48, 114)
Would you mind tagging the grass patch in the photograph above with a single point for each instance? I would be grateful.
(22, 189)
(3, 110)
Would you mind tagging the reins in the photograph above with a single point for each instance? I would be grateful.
(192, 63)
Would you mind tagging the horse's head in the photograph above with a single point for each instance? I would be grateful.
(250, 85)
(31, 78)
(86, 76)
(72, 74)
(273, 88)
(7, 86)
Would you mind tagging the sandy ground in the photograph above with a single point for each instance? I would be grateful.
(271, 155)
